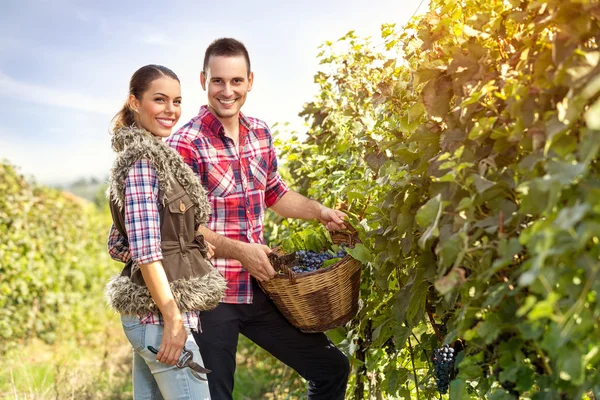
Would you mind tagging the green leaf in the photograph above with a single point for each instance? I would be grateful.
(592, 116)
(329, 262)
(458, 390)
(437, 95)
(450, 250)
(428, 216)
(482, 184)
(570, 366)
(544, 308)
(469, 368)
(490, 328)
(454, 279)
(360, 253)
(568, 217)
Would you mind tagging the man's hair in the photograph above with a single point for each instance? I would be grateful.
(227, 47)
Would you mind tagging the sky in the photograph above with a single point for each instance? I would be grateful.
(65, 66)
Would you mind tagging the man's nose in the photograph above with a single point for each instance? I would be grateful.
(227, 90)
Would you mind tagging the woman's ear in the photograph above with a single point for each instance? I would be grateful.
(134, 103)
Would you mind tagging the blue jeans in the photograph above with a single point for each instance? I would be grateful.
(154, 380)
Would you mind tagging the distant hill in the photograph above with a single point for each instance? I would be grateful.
(91, 189)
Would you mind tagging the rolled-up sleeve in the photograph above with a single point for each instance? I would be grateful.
(276, 187)
(118, 248)
(142, 219)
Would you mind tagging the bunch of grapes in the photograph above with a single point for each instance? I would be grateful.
(311, 260)
(443, 363)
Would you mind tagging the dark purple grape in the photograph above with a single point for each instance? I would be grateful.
(443, 362)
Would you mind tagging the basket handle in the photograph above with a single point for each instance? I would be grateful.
(280, 263)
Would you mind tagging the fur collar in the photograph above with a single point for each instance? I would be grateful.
(132, 144)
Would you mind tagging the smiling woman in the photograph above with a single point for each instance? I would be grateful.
(160, 106)
(157, 205)
(154, 93)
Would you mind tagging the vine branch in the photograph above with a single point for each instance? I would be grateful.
(412, 359)
(432, 320)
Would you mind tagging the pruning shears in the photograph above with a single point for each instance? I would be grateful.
(187, 360)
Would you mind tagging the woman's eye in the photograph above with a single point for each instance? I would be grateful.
(159, 99)
(177, 102)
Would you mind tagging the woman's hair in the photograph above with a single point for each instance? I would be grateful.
(139, 83)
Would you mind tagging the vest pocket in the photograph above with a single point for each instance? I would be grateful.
(180, 204)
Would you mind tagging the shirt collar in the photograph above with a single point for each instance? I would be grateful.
(215, 127)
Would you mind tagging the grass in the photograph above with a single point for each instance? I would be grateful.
(261, 376)
(98, 367)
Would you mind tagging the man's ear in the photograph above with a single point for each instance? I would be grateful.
(250, 80)
(203, 80)
(134, 103)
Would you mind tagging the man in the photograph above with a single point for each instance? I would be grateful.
(235, 159)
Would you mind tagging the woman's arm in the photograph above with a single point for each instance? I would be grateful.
(174, 334)
(142, 223)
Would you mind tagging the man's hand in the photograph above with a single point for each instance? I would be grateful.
(173, 340)
(210, 250)
(332, 219)
(254, 260)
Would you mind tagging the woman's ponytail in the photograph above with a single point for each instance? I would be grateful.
(123, 118)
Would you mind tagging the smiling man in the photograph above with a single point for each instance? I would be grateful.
(234, 158)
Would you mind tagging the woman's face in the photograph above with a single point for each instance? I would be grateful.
(159, 108)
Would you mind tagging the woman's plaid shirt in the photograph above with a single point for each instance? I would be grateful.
(240, 184)
(142, 223)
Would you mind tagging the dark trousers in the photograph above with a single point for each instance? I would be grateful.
(312, 355)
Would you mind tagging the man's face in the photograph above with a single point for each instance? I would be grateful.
(227, 83)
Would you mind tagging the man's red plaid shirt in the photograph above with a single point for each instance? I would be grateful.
(240, 185)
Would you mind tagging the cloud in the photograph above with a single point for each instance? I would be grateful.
(60, 161)
(156, 39)
(56, 97)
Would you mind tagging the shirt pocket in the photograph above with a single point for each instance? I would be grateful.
(221, 180)
(258, 170)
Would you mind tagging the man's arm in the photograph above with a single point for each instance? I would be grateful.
(293, 205)
(252, 256)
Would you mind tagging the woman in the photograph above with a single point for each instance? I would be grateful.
(157, 205)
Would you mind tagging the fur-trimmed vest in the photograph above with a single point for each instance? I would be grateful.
(183, 207)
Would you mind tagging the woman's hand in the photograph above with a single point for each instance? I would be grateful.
(173, 340)
(210, 252)
(174, 334)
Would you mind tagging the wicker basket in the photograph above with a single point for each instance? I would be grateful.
(319, 300)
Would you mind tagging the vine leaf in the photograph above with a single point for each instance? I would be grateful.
(428, 217)
(360, 253)
(455, 278)
(437, 95)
